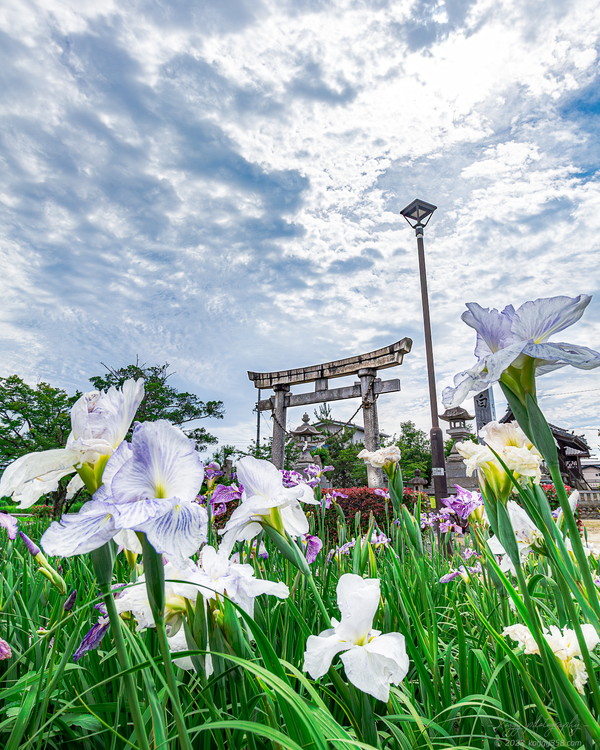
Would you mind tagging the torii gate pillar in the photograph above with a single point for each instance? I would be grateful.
(279, 423)
(371, 422)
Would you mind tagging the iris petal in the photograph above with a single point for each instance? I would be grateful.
(178, 533)
(358, 599)
(539, 319)
(377, 665)
(164, 463)
(77, 533)
(320, 651)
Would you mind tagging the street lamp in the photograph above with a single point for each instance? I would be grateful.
(417, 214)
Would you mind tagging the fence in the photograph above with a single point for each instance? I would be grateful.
(589, 504)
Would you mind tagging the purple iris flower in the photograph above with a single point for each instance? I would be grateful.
(344, 549)
(92, 638)
(330, 497)
(313, 546)
(314, 472)
(464, 503)
(222, 495)
(212, 470)
(378, 539)
(448, 525)
(10, 524)
(34, 550)
(292, 478)
(70, 601)
(385, 494)
(461, 571)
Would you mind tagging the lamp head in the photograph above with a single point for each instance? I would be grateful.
(418, 213)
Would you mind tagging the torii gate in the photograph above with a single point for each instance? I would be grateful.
(368, 387)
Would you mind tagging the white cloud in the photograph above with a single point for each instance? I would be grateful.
(219, 185)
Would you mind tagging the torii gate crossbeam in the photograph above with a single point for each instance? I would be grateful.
(368, 387)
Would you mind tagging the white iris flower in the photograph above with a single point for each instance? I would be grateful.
(99, 422)
(372, 661)
(266, 501)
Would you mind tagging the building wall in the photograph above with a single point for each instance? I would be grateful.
(591, 474)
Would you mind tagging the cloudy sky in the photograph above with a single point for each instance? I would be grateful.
(217, 184)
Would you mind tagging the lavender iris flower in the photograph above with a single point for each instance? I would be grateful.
(464, 503)
(313, 546)
(212, 470)
(149, 486)
(463, 572)
(291, 478)
(92, 639)
(222, 495)
(344, 549)
(10, 524)
(518, 339)
(330, 497)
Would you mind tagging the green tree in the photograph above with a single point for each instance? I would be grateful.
(163, 401)
(339, 450)
(292, 452)
(415, 448)
(34, 419)
(224, 452)
(39, 418)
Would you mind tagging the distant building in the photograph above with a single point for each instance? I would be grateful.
(591, 473)
(333, 426)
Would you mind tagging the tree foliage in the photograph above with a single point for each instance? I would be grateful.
(32, 419)
(415, 448)
(163, 401)
(339, 451)
(39, 418)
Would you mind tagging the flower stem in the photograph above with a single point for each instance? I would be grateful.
(165, 652)
(575, 538)
(155, 587)
(321, 604)
(124, 661)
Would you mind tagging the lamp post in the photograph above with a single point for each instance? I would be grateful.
(417, 214)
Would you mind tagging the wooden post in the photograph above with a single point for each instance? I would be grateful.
(367, 377)
(279, 425)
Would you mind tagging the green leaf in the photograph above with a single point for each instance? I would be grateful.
(541, 435)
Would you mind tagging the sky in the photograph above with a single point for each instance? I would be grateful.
(217, 184)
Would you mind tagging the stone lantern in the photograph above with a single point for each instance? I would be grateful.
(309, 438)
(417, 483)
(455, 466)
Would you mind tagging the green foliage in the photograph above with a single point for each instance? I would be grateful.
(339, 451)
(34, 419)
(163, 401)
(223, 453)
(416, 451)
(292, 452)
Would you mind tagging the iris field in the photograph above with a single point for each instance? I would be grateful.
(475, 627)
